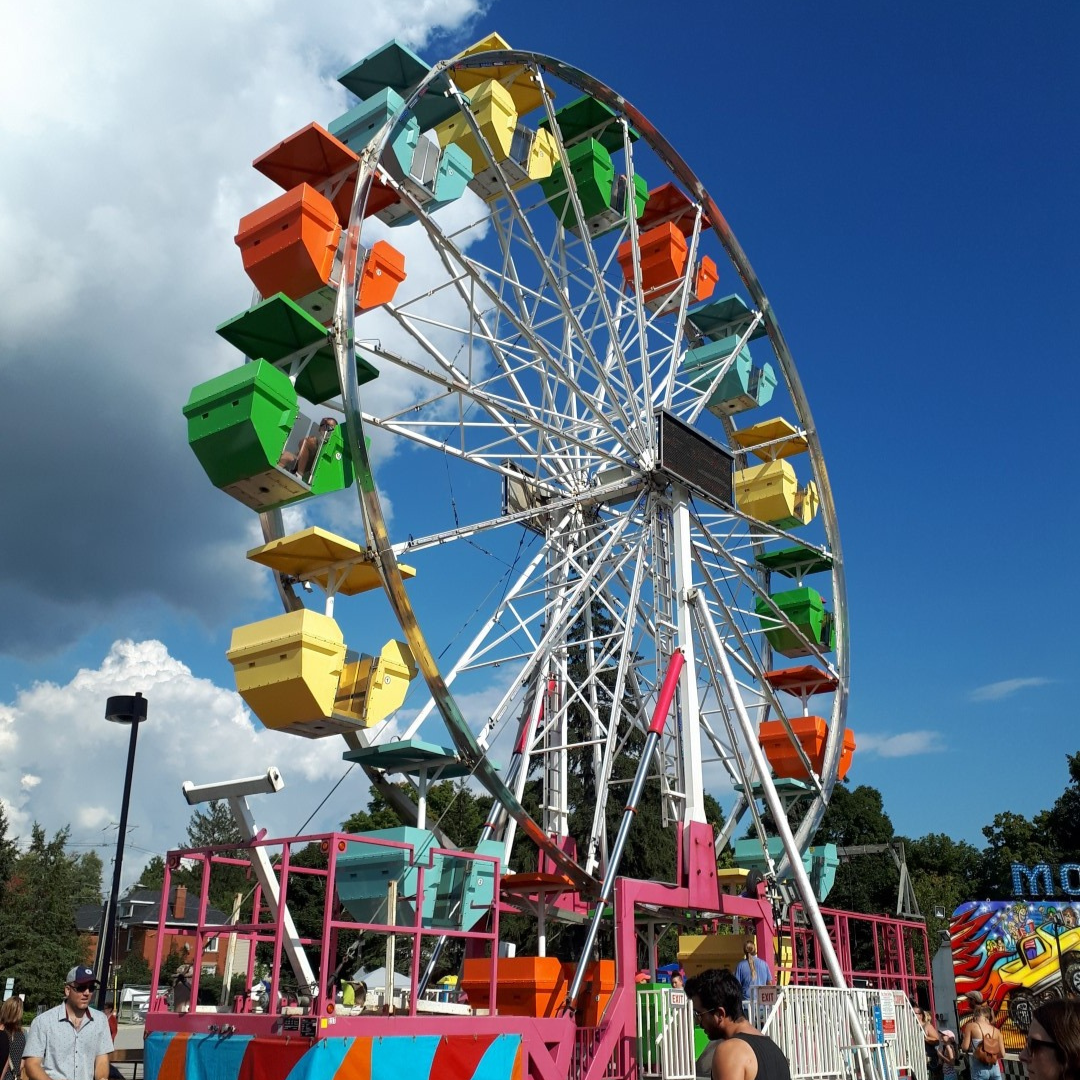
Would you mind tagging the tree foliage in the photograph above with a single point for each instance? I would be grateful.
(153, 873)
(854, 818)
(1063, 818)
(214, 826)
(942, 871)
(44, 885)
(134, 971)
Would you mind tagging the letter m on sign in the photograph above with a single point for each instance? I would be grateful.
(1039, 880)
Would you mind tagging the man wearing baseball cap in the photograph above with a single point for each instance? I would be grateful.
(70, 1042)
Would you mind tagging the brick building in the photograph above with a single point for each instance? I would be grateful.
(137, 928)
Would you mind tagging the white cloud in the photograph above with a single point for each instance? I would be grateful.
(904, 744)
(126, 170)
(64, 763)
(1006, 688)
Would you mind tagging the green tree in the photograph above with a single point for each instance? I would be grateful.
(864, 883)
(88, 868)
(377, 816)
(942, 870)
(213, 826)
(134, 971)
(153, 873)
(1012, 838)
(9, 850)
(1063, 818)
(9, 853)
(40, 943)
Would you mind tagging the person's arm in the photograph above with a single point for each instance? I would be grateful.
(965, 1040)
(105, 1047)
(34, 1070)
(34, 1053)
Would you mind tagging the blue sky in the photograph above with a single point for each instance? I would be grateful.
(903, 179)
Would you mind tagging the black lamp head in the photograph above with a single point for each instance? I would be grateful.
(123, 709)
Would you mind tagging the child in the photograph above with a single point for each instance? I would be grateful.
(948, 1054)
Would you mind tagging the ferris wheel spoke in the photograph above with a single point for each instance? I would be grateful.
(609, 731)
(450, 255)
(638, 318)
(736, 568)
(641, 429)
(555, 292)
(737, 650)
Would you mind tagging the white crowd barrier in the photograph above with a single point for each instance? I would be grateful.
(812, 1025)
(665, 1026)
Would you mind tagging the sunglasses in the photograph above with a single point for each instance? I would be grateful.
(1033, 1043)
(84, 988)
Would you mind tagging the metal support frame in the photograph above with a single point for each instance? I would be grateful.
(234, 792)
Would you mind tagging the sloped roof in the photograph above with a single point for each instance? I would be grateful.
(88, 918)
(142, 907)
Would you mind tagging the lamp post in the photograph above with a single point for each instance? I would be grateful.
(131, 711)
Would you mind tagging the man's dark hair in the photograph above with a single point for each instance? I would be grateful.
(717, 988)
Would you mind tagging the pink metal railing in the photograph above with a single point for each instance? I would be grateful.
(874, 950)
(259, 928)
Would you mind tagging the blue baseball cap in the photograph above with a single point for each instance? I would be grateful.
(80, 976)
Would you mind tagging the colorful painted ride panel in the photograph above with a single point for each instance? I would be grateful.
(179, 1056)
(1017, 954)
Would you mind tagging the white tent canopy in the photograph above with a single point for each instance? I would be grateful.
(376, 980)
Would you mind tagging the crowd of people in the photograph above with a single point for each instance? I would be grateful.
(74, 1042)
(739, 1051)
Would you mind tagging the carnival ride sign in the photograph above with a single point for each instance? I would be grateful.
(1038, 880)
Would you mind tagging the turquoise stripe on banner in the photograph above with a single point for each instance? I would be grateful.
(154, 1046)
(214, 1057)
(322, 1061)
(498, 1062)
(396, 1058)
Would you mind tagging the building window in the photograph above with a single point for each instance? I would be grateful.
(211, 945)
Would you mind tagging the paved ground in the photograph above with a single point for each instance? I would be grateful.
(129, 1036)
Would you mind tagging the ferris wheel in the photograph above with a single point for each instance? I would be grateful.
(580, 444)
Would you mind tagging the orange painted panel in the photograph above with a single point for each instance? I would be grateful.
(527, 985)
(309, 156)
(811, 732)
(357, 1063)
(379, 198)
(384, 271)
(596, 990)
(288, 245)
(669, 203)
(174, 1063)
(271, 1058)
(663, 259)
(459, 1057)
(707, 278)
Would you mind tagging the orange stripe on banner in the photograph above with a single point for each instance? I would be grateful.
(458, 1056)
(518, 1071)
(174, 1063)
(357, 1063)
